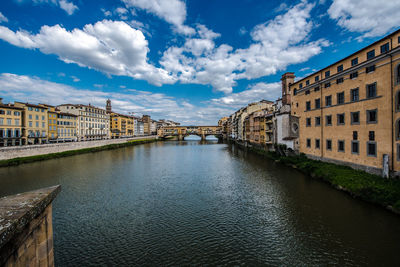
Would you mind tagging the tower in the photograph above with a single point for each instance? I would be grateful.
(108, 106)
(287, 79)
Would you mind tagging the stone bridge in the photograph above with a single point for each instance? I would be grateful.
(182, 131)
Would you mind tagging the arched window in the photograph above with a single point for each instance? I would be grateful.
(397, 102)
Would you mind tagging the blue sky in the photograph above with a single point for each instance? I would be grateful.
(192, 61)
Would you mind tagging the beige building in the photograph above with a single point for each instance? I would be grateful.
(35, 123)
(93, 123)
(52, 122)
(67, 127)
(121, 125)
(349, 112)
(146, 124)
(10, 125)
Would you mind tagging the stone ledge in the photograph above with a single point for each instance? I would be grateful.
(17, 211)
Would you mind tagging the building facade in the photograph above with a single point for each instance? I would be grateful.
(67, 127)
(349, 112)
(121, 125)
(93, 122)
(10, 125)
(34, 123)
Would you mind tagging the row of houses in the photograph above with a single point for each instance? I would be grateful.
(26, 123)
(346, 113)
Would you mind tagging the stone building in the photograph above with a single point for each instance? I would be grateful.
(349, 111)
(67, 127)
(146, 124)
(93, 122)
(10, 125)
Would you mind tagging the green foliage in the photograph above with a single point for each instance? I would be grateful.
(17, 161)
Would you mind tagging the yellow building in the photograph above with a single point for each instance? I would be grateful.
(10, 125)
(349, 112)
(67, 127)
(146, 124)
(121, 125)
(35, 123)
(52, 122)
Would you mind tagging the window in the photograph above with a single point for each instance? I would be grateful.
(355, 135)
(327, 74)
(307, 92)
(316, 78)
(371, 54)
(16, 122)
(339, 80)
(371, 136)
(30, 124)
(328, 144)
(30, 116)
(370, 69)
(371, 149)
(37, 124)
(341, 145)
(354, 95)
(37, 117)
(340, 119)
(308, 105)
(2, 111)
(307, 82)
(308, 142)
(355, 117)
(328, 119)
(316, 89)
(42, 118)
(308, 122)
(328, 100)
(355, 147)
(9, 122)
(354, 61)
(295, 91)
(384, 48)
(354, 75)
(317, 103)
(317, 143)
(340, 68)
(372, 116)
(327, 85)
(300, 85)
(340, 98)
(371, 90)
(8, 112)
(397, 107)
(17, 113)
(317, 121)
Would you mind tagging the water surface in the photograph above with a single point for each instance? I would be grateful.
(202, 203)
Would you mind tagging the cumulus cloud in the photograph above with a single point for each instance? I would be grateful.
(112, 47)
(371, 18)
(67, 6)
(276, 44)
(3, 18)
(24, 88)
(255, 92)
(172, 11)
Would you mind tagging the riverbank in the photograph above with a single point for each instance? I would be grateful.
(67, 153)
(359, 184)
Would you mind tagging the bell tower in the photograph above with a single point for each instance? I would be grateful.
(108, 106)
(287, 79)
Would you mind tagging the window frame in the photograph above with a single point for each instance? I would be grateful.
(371, 54)
(344, 119)
(376, 149)
(351, 118)
(385, 48)
(327, 147)
(376, 116)
(367, 90)
(330, 100)
(358, 147)
(317, 141)
(319, 121)
(308, 122)
(344, 146)
(354, 61)
(339, 68)
(338, 98)
(326, 120)
(308, 142)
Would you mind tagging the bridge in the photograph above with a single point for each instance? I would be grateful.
(182, 131)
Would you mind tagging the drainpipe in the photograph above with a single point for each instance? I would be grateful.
(391, 94)
(322, 143)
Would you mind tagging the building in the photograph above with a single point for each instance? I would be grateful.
(10, 125)
(146, 124)
(34, 123)
(67, 127)
(153, 127)
(93, 123)
(349, 111)
(121, 125)
(52, 122)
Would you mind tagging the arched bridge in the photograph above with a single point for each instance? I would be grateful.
(182, 131)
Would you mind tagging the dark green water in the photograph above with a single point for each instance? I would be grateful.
(192, 203)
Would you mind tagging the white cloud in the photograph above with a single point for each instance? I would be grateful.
(68, 7)
(75, 79)
(369, 17)
(172, 11)
(256, 92)
(106, 13)
(112, 47)
(24, 88)
(276, 44)
(3, 18)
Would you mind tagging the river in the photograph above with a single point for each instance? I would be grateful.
(202, 203)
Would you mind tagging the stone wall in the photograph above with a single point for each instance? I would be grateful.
(34, 150)
(26, 231)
